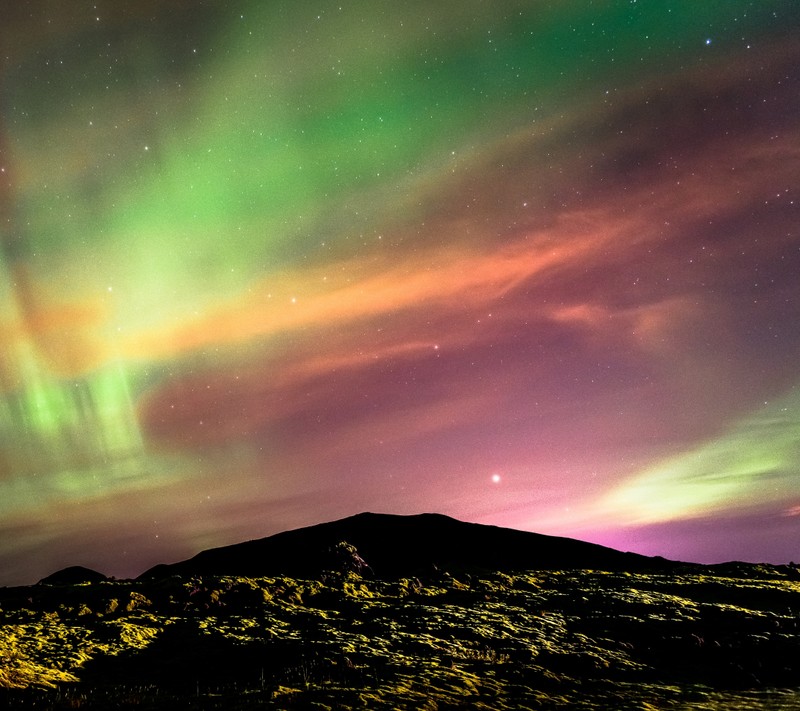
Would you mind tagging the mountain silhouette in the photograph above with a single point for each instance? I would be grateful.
(73, 575)
(396, 546)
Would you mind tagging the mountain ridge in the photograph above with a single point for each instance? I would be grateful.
(396, 545)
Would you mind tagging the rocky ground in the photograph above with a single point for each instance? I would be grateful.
(721, 639)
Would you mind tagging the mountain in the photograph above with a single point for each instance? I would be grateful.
(395, 546)
(74, 575)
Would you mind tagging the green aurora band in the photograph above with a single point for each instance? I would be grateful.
(170, 171)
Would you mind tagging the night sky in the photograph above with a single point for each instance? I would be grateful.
(265, 264)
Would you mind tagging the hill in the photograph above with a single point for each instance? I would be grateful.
(396, 546)
(73, 575)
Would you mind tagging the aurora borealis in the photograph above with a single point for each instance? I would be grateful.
(266, 264)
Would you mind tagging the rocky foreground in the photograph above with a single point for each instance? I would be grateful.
(726, 638)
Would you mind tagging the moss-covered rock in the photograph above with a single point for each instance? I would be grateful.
(610, 640)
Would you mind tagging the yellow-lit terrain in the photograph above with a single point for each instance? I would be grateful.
(584, 639)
